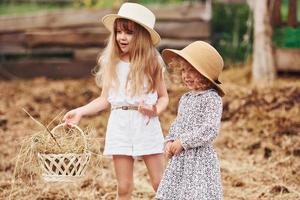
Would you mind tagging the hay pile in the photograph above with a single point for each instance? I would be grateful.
(259, 143)
(66, 141)
(61, 139)
(68, 147)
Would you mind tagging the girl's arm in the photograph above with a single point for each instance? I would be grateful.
(204, 133)
(163, 98)
(97, 105)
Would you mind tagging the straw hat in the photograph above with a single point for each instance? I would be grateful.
(203, 57)
(137, 13)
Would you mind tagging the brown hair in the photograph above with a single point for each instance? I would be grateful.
(178, 63)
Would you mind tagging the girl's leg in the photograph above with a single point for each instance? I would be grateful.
(155, 166)
(124, 173)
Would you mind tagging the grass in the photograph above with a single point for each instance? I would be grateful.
(162, 1)
(26, 8)
(7, 8)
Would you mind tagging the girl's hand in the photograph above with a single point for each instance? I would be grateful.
(168, 153)
(176, 147)
(72, 117)
(149, 111)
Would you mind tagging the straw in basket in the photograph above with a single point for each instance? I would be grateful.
(67, 167)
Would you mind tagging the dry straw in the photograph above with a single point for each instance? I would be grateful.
(67, 162)
(62, 152)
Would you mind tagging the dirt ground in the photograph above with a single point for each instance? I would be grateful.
(258, 146)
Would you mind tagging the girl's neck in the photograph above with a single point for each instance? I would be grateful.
(201, 89)
(125, 57)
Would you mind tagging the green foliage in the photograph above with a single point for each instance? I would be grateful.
(287, 37)
(95, 3)
(232, 30)
(160, 1)
(112, 3)
(12, 8)
(284, 9)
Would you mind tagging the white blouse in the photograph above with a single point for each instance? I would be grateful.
(118, 97)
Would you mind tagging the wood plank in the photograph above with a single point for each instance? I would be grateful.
(87, 37)
(82, 54)
(86, 53)
(94, 27)
(21, 50)
(287, 59)
(231, 1)
(98, 36)
(276, 14)
(292, 14)
(12, 38)
(174, 43)
(185, 11)
(51, 68)
(89, 17)
(68, 18)
(90, 54)
(184, 30)
(9, 49)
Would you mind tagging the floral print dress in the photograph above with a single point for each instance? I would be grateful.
(194, 174)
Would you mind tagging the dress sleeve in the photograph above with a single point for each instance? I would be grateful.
(205, 130)
(168, 138)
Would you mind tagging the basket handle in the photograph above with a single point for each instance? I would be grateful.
(73, 126)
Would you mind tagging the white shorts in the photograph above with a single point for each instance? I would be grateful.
(128, 134)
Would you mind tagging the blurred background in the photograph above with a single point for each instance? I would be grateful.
(37, 34)
(48, 49)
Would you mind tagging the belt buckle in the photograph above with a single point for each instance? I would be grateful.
(125, 107)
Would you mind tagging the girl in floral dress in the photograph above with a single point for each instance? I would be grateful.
(193, 171)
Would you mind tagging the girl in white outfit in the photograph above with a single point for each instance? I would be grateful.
(131, 76)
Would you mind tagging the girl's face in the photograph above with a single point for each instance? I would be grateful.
(192, 78)
(124, 33)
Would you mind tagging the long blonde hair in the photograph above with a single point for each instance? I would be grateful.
(145, 61)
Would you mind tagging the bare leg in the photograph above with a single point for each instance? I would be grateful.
(155, 166)
(124, 173)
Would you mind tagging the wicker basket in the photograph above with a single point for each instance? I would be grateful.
(64, 167)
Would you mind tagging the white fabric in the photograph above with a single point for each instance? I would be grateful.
(127, 131)
(119, 98)
(128, 134)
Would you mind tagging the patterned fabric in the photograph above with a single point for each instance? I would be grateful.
(194, 174)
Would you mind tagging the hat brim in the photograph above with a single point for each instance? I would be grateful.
(108, 21)
(168, 54)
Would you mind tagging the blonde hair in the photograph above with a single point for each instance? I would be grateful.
(145, 61)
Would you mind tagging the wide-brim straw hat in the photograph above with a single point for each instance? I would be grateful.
(137, 13)
(203, 57)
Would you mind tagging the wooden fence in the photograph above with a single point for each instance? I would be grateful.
(66, 43)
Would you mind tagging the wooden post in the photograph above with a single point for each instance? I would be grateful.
(292, 15)
(276, 14)
(263, 67)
